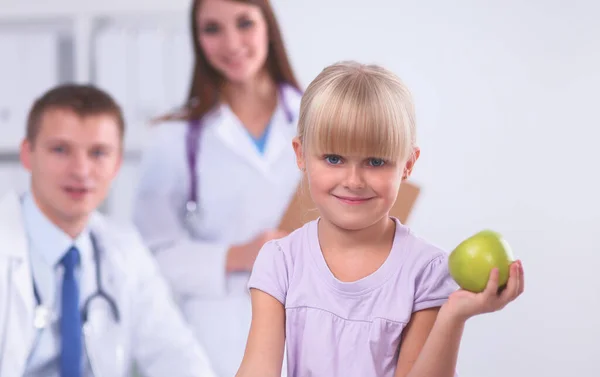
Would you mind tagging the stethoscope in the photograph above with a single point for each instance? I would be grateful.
(192, 208)
(43, 315)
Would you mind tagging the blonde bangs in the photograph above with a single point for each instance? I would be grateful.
(357, 111)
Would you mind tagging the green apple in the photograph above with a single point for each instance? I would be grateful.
(471, 262)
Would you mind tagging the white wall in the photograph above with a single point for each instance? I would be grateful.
(507, 97)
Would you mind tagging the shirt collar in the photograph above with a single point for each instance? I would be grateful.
(46, 238)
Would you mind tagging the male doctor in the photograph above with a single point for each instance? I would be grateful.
(80, 296)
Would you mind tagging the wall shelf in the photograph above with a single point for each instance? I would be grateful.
(142, 58)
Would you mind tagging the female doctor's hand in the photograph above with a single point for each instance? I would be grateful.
(242, 257)
(462, 304)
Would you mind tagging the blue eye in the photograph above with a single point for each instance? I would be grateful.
(98, 153)
(376, 162)
(245, 24)
(333, 159)
(210, 29)
(58, 150)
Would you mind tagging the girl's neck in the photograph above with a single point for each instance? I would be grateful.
(333, 238)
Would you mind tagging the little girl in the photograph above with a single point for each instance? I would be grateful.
(357, 293)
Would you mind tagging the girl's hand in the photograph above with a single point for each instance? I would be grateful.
(462, 304)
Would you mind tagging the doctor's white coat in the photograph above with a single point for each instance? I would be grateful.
(151, 332)
(241, 193)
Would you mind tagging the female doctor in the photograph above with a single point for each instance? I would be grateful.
(217, 178)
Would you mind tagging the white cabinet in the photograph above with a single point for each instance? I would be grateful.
(141, 55)
(143, 59)
(145, 63)
(35, 56)
(12, 175)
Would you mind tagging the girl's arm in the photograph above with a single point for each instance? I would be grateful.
(430, 335)
(266, 340)
(432, 339)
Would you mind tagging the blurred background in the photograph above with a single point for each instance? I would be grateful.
(508, 120)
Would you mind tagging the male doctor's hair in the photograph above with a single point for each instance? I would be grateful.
(358, 109)
(206, 81)
(83, 100)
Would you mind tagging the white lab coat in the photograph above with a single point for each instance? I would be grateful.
(240, 192)
(151, 333)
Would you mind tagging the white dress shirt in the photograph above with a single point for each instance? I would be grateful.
(47, 245)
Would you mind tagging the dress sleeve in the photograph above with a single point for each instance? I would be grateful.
(270, 272)
(433, 284)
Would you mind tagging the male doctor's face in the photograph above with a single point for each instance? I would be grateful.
(72, 162)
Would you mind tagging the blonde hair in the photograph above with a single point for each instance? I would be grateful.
(357, 109)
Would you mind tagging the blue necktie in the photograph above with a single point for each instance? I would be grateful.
(70, 319)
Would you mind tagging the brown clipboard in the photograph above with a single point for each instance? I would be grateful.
(302, 209)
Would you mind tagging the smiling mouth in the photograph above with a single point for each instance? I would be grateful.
(234, 60)
(77, 192)
(352, 200)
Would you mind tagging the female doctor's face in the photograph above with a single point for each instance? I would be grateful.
(234, 38)
(72, 162)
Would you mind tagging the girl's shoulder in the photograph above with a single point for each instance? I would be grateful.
(278, 260)
(297, 242)
(416, 249)
(424, 269)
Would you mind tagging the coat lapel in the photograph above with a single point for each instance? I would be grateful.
(103, 335)
(234, 135)
(280, 138)
(285, 123)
